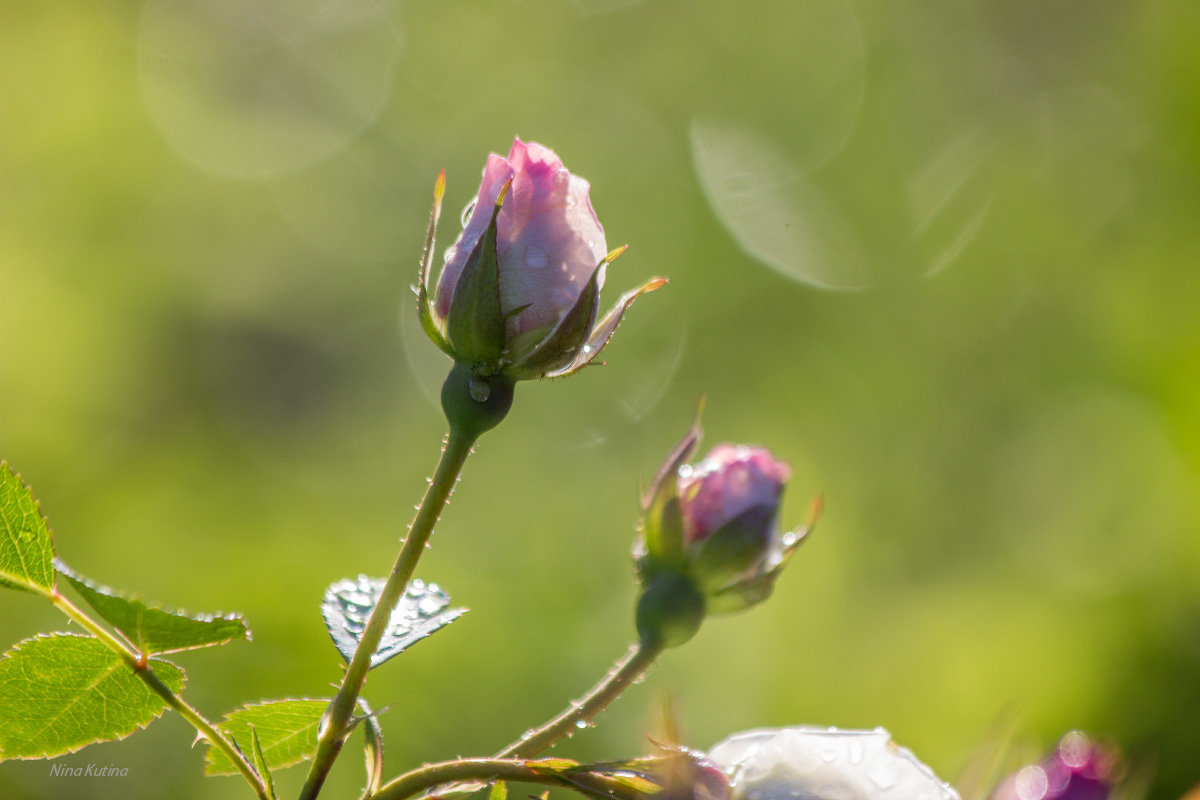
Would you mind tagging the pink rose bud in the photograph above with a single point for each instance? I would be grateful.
(519, 293)
(730, 508)
(1079, 769)
(710, 537)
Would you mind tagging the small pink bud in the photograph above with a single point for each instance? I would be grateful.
(731, 480)
(729, 504)
(710, 531)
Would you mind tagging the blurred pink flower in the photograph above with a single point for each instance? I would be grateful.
(1079, 769)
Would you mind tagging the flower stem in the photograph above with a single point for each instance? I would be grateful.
(628, 669)
(141, 667)
(333, 726)
(554, 773)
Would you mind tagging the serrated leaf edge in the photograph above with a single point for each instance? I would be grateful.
(37, 507)
(261, 703)
(140, 727)
(61, 568)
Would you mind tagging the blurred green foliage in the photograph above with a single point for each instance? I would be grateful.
(210, 215)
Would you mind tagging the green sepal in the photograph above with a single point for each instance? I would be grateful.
(741, 595)
(563, 343)
(424, 312)
(661, 543)
(735, 549)
(605, 328)
(260, 764)
(372, 749)
(26, 545)
(475, 321)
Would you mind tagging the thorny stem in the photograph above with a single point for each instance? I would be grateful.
(488, 769)
(142, 668)
(626, 671)
(334, 723)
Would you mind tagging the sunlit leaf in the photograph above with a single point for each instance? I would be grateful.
(26, 548)
(151, 629)
(60, 692)
(286, 731)
(422, 610)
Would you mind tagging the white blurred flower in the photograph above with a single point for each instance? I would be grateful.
(824, 764)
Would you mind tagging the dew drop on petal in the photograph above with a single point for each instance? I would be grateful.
(466, 212)
(535, 257)
(884, 776)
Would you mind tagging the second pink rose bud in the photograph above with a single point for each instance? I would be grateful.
(710, 540)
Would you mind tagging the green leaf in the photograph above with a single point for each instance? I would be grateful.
(62, 691)
(26, 548)
(499, 791)
(152, 629)
(421, 611)
(260, 763)
(286, 730)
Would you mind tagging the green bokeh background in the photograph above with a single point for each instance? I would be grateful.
(210, 215)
